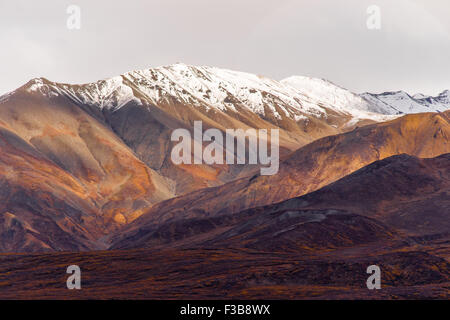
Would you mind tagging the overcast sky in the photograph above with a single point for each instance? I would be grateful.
(275, 38)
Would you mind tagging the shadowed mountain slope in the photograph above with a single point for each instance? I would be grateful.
(290, 250)
(398, 197)
(404, 192)
(310, 168)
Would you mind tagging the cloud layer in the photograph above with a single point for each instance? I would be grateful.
(276, 38)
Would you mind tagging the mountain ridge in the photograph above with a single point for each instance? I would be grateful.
(401, 197)
(143, 107)
(108, 145)
(195, 85)
(400, 102)
(116, 91)
(309, 169)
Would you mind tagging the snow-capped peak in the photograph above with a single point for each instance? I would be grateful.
(445, 95)
(220, 89)
(217, 89)
(109, 93)
(400, 102)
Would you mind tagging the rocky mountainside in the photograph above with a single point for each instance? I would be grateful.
(400, 196)
(66, 178)
(403, 192)
(306, 170)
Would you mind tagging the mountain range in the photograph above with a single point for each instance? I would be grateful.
(88, 167)
(89, 158)
(401, 102)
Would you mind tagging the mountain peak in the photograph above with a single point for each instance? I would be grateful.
(211, 88)
(445, 93)
(228, 90)
(35, 83)
(400, 102)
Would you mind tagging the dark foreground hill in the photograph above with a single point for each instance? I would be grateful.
(315, 246)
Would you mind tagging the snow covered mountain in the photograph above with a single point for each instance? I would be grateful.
(78, 162)
(327, 93)
(217, 89)
(296, 98)
(388, 103)
(144, 107)
(401, 102)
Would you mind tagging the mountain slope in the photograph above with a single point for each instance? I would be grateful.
(399, 193)
(42, 207)
(395, 198)
(144, 107)
(308, 169)
(327, 93)
(65, 171)
(403, 192)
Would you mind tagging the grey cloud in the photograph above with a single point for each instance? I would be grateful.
(319, 38)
